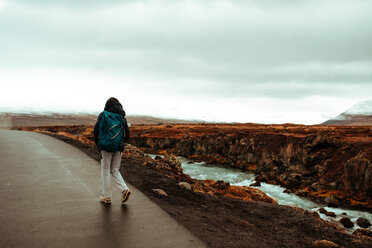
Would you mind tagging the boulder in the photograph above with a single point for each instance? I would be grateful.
(346, 222)
(324, 243)
(185, 185)
(160, 192)
(363, 222)
(287, 191)
(322, 211)
(330, 214)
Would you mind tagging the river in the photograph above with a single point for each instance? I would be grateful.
(201, 171)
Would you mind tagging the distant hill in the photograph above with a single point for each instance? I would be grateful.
(358, 115)
(25, 120)
(149, 120)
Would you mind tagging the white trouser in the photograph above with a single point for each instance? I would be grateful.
(110, 164)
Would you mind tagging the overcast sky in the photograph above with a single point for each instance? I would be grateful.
(264, 61)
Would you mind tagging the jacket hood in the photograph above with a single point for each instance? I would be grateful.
(115, 107)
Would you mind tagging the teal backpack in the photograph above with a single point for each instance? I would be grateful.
(111, 131)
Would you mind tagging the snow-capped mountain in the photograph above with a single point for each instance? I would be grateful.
(359, 115)
(361, 108)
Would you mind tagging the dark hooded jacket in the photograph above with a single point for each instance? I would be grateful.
(113, 107)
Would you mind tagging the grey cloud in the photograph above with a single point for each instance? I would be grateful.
(245, 48)
(70, 4)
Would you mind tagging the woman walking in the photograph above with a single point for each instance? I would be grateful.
(110, 134)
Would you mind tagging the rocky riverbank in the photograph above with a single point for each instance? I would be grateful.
(332, 164)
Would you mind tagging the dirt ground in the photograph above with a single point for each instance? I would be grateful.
(227, 222)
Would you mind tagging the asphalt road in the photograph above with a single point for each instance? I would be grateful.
(49, 197)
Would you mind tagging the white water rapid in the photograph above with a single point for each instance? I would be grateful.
(201, 171)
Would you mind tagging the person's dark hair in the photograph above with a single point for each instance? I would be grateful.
(112, 100)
